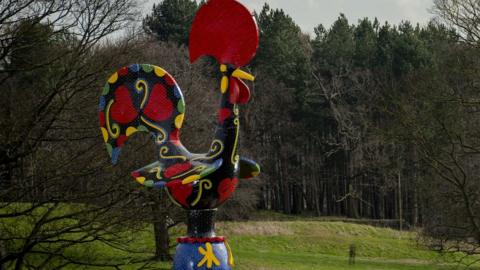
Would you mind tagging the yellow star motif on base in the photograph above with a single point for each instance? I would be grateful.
(209, 257)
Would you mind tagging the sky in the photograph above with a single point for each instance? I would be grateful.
(310, 13)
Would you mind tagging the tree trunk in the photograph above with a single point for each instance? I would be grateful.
(162, 241)
(415, 212)
(2, 254)
(160, 229)
(400, 202)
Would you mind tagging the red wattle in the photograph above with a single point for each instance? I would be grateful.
(239, 92)
(234, 89)
(243, 92)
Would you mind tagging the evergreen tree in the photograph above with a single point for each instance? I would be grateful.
(171, 20)
(383, 54)
(336, 47)
(284, 51)
(365, 43)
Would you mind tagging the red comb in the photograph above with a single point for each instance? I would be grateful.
(226, 30)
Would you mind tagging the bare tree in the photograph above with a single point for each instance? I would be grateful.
(464, 15)
(56, 186)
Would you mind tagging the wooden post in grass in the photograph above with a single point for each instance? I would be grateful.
(351, 254)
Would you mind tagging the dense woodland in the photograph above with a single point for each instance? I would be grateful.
(364, 120)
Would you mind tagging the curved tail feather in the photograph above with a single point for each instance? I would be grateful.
(248, 168)
(140, 98)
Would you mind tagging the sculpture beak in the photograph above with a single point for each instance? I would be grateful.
(240, 74)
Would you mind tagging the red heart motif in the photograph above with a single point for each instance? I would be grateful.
(121, 140)
(177, 169)
(226, 188)
(179, 191)
(159, 106)
(122, 110)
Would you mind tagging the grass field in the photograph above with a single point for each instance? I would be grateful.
(277, 242)
(324, 245)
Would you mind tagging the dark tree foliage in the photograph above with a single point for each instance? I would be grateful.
(334, 48)
(284, 51)
(358, 70)
(170, 20)
(30, 46)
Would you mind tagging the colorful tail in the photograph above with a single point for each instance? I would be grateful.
(140, 98)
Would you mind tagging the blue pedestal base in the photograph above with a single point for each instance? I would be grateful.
(208, 256)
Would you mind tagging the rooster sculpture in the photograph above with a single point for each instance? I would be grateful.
(146, 98)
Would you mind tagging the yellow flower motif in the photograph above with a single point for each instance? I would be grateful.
(160, 72)
(209, 257)
(141, 180)
(191, 179)
(179, 120)
(130, 131)
(224, 84)
(104, 134)
(113, 79)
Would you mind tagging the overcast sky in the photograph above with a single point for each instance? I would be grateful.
(310, 13)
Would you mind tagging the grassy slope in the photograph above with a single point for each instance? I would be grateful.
(287, 243)
(324, 245)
